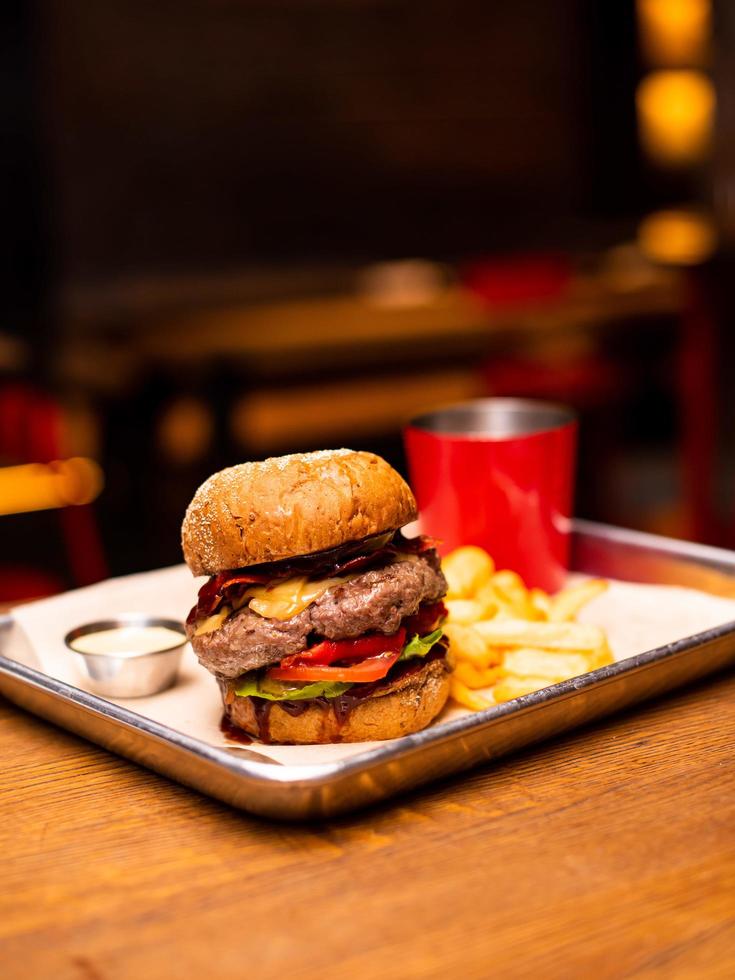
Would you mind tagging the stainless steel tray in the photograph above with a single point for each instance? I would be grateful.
(249, 781)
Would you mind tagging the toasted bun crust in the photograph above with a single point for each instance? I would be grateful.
(291, 505)
(406, 708)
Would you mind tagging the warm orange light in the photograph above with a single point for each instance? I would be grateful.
(185, 430)
(677, 237)
(675, 114)
(44, 486)
(675, 33)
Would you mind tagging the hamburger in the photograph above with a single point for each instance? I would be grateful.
(320, 620)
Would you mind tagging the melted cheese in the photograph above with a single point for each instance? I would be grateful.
(286, 599)
(405, 556)
(211, 623)
(291, 597)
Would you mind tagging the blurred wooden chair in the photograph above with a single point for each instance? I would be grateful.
(31, 432)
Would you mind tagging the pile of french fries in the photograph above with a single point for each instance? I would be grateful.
(507, 640)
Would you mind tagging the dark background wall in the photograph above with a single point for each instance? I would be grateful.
(197, 133)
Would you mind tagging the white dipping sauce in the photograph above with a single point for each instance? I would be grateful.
(128, 641)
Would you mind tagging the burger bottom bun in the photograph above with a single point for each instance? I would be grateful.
(406, 706)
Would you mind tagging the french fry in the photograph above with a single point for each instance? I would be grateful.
(467, 698)
(601, 656)
(547, 636)
(506, 612)
(465, 570)
(499, 605)
(463, 610)
(527, 662)
(467, 644)
(510, 585)
(567, 603)
(486, 597)
(515, 687)
(491, 676)
(507, 640)
(470, 676)
(511, 593)
(541, 602)
(475, 679)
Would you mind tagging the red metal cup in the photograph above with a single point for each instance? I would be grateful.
(498, 473)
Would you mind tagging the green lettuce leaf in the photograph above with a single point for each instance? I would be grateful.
(419, 646)
(256, 687)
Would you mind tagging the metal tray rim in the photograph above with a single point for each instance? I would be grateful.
(707, 554)
(280, 777)
(321, 773)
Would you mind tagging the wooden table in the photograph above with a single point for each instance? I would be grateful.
(607, 853)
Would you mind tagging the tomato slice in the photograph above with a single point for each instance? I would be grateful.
(370, 669)
(328, 651)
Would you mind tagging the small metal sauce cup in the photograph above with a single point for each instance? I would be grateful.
(134, 675)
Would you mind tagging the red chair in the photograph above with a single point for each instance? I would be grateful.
(31, 432)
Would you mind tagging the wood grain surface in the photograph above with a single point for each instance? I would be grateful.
(607, 853)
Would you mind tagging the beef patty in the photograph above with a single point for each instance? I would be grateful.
(375, 601)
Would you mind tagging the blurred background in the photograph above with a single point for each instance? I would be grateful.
(238, 228)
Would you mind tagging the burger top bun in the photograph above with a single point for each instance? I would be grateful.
(291, 505)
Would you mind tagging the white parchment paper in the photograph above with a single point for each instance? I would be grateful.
(636, 617)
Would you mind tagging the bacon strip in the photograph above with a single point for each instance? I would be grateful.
(324, 564)
(213, 592)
